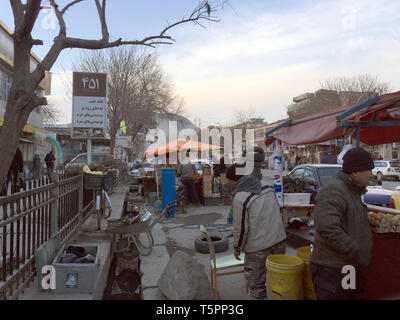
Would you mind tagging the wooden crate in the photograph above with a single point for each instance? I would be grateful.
(227, 201)
(211, 201)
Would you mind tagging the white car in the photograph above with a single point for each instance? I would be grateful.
(147, 167)
(386, 168)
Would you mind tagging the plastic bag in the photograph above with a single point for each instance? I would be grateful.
(346, 148)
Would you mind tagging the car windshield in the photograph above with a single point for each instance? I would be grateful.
(80, 159)
(326, 174)
(395, 163)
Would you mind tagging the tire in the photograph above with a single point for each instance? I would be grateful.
(379, 176)
(221, 243)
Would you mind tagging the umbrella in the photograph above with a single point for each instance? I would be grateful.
(179, 144)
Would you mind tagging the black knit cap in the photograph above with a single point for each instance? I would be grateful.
(356, 160)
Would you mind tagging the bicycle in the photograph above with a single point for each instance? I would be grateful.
(99, 184)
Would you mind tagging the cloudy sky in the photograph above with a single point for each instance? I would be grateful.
(261, 54)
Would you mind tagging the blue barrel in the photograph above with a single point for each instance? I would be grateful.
(168, 189)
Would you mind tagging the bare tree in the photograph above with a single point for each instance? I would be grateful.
(245, 118)
(363, 86)
(50, 114)
(22, 98)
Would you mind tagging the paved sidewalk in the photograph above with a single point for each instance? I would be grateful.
(87, 233)
(179, 233)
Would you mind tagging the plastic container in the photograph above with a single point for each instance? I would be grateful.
(304, 253)
(284, 277)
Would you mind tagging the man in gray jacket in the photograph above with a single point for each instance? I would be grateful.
(187, 172)
(342, 231)
(258, 228)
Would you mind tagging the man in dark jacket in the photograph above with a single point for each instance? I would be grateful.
(49, 159)
(15, 173)
(342, 231)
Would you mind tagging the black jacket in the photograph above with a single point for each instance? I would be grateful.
(342, 231)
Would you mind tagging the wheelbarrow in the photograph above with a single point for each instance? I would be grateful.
(130, 230)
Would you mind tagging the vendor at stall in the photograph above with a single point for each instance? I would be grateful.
(187, 173)
(342, 230)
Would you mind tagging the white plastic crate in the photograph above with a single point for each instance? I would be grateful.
(296, 198)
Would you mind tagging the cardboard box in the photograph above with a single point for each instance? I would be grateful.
(223, 178)
(207, 187)
(77, 277)
(206, 170)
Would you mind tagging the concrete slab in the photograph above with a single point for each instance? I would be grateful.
(153, 294)
(153, 265)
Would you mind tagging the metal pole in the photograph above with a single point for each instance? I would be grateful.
(358, 136)
(89, 151)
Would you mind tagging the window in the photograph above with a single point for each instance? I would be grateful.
(394, 163)
(326, 174)
(310, 176)
(297, 174)
(81, 159)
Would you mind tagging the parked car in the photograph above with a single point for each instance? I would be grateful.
(313, 177)
(103, 158)
(395, 199)
(386, 168)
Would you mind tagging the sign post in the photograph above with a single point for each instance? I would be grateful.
(89, 107)
(278, 172)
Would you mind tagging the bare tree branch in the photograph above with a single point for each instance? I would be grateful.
(102, 16)
(25, 26)
(69, 6)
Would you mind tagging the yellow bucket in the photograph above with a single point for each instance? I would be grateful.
(284, 277)
(308, 286)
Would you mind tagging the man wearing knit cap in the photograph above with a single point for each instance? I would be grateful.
(342, 231)
(258, 230)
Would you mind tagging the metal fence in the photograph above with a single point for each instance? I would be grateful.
(45, 208)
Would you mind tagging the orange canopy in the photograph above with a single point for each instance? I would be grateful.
(177, 145)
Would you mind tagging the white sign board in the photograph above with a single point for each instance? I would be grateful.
(89, 105)
(123, 142)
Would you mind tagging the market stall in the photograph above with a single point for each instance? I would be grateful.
(204, 181)
(373, 121)
(382, 277)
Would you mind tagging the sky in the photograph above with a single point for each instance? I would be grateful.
(258, 57)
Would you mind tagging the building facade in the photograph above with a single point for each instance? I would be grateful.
(33, 138)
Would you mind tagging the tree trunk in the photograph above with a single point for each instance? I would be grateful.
(10, 132)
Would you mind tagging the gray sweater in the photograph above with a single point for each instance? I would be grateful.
(186, 171)
(342, 231)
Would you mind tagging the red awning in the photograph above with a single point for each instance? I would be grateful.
(325, 125)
